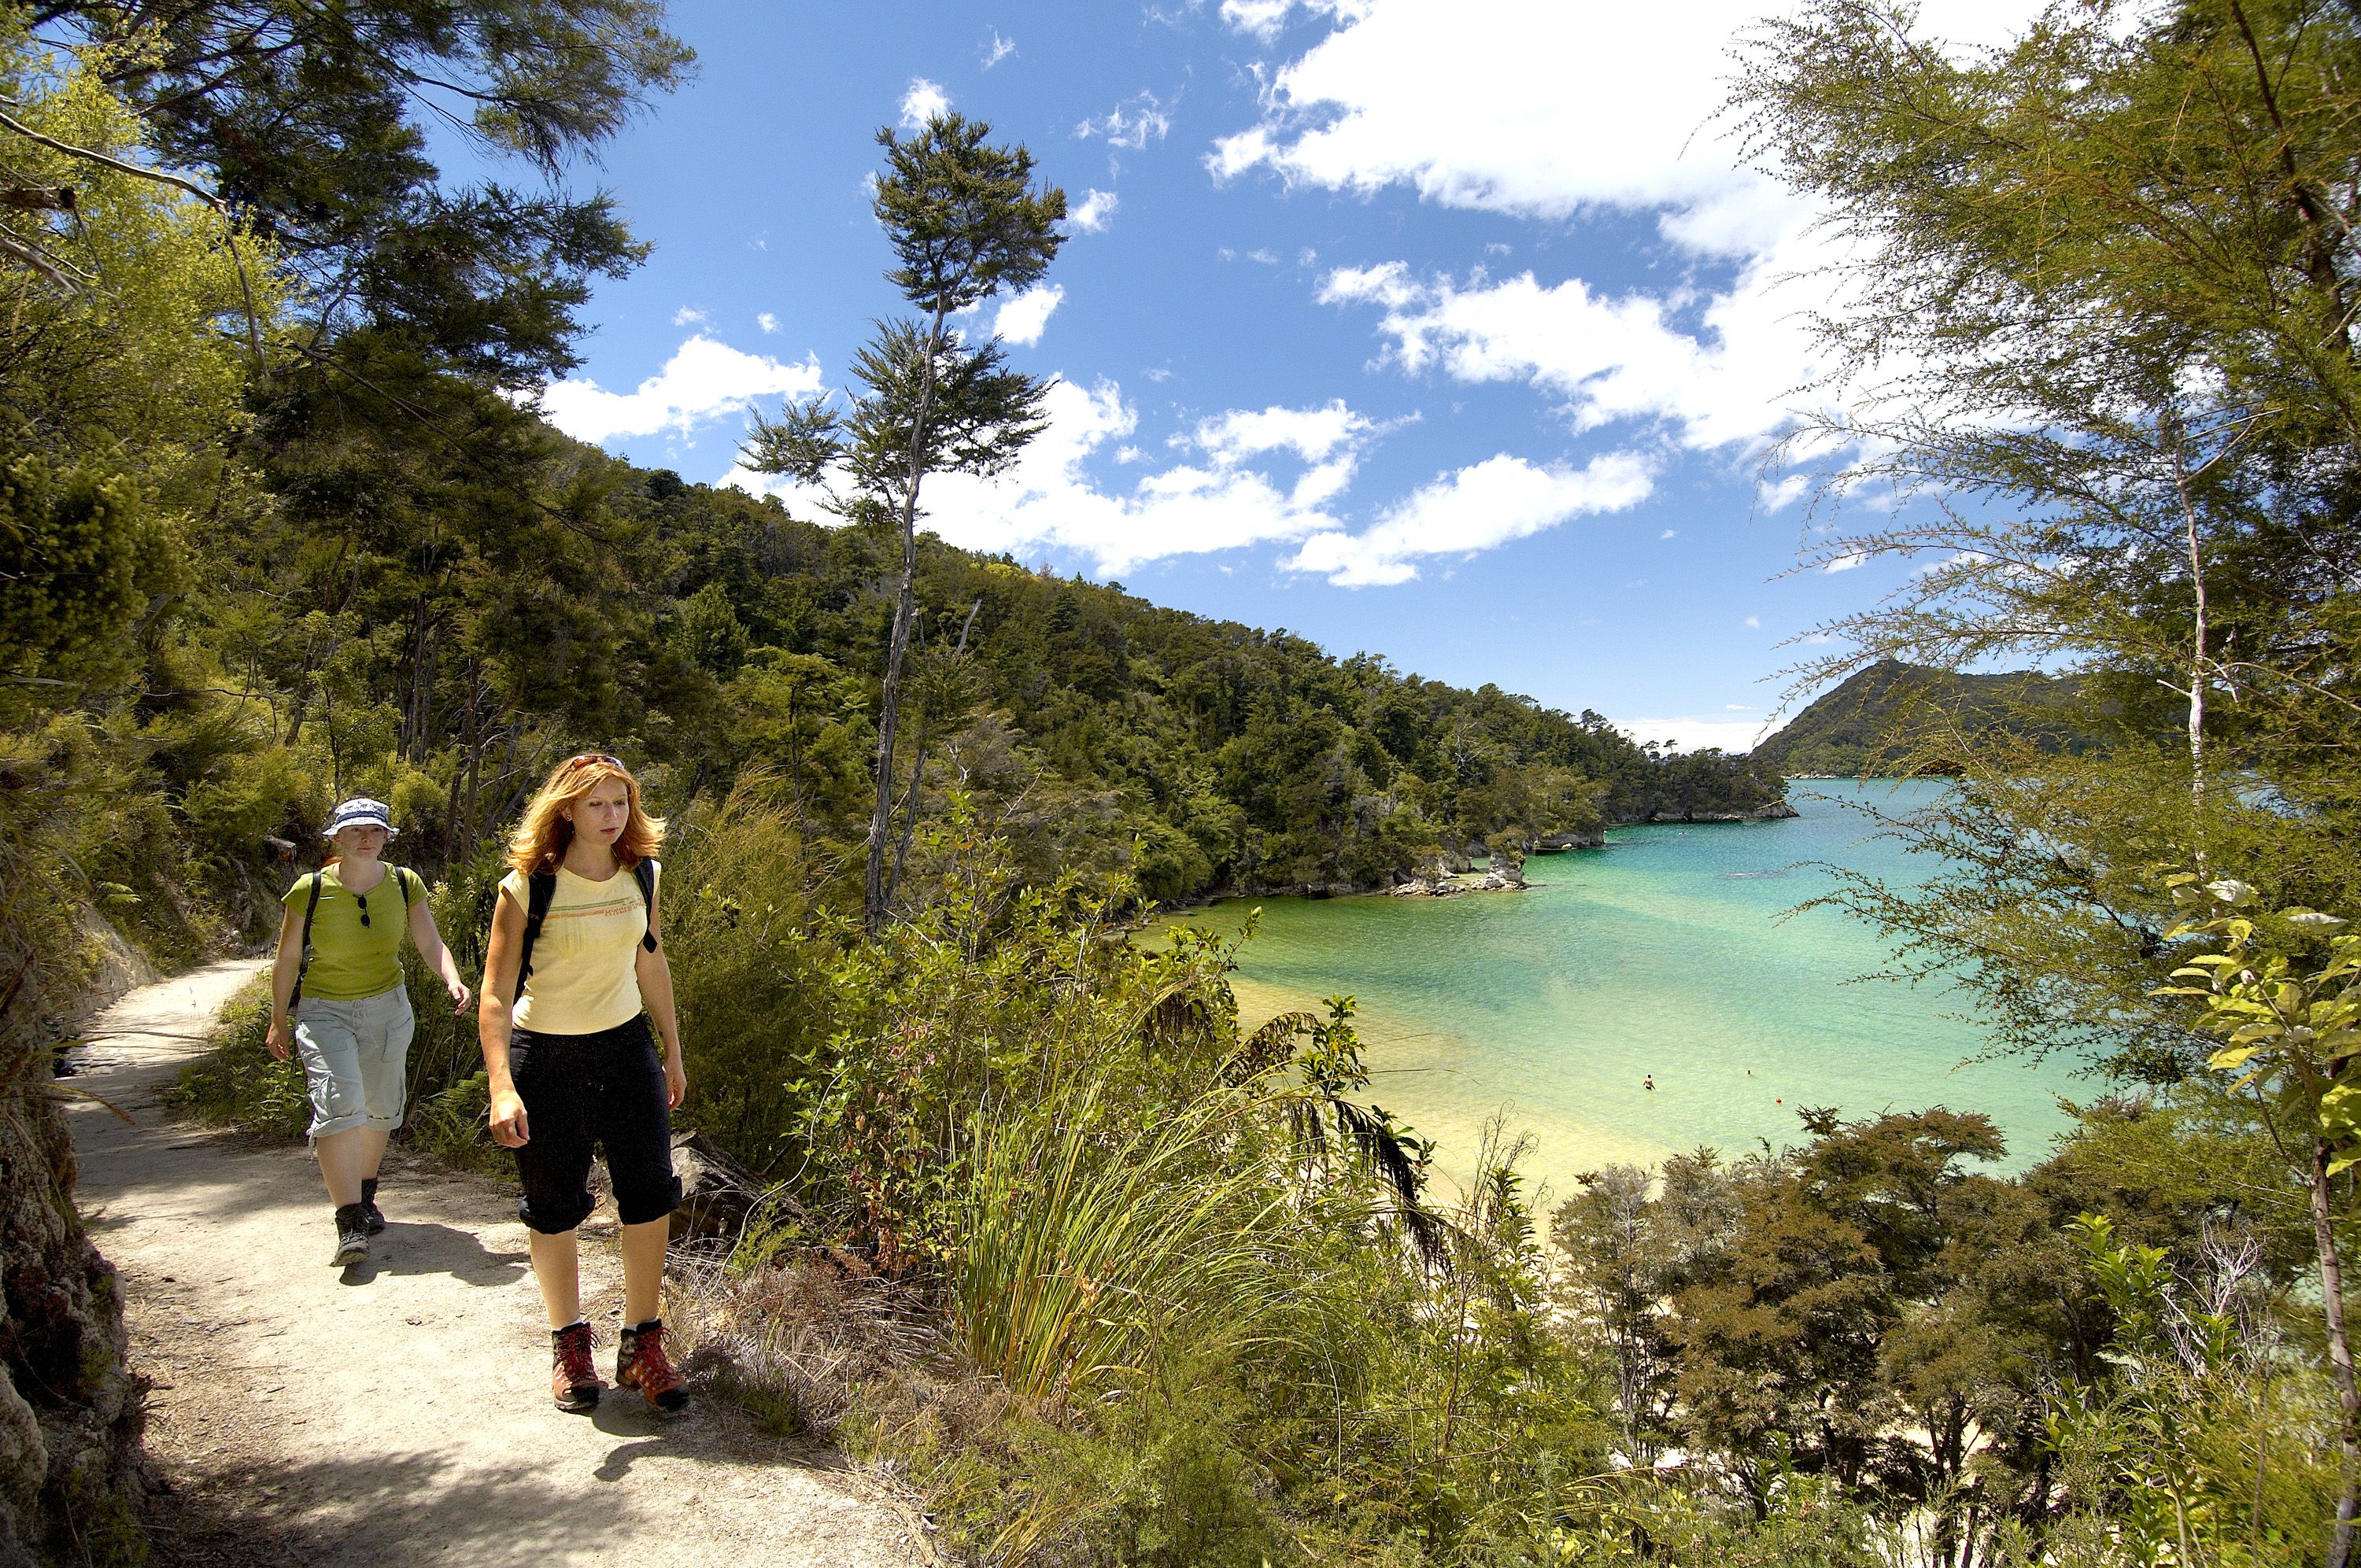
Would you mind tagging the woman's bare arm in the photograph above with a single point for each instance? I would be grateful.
(282, 980)
(494, 1020)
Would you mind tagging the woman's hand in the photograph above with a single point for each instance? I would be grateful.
(675, 1081)
(508, 1129)
(280, 1039)
(460, 998)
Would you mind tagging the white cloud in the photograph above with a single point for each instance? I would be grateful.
(1696, 732)
(687, 315)
(1312, 434)
(1050, 500)
(767, 321)
(1261, 17)
(1535, 108)
(1487, 504)
(1628, 357)
(1754, 623)
(923, 102)
(1845, 563)
(1668, 533)
(1022, 317)
(704, 380)
(1133, 123)
(998, 49)
(1094, 212)
(1229, 499)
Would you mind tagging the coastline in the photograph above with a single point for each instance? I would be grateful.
(1641, 1003)
(1406, 1064)
(1551, 844)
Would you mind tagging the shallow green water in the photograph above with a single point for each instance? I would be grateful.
(1664, 954)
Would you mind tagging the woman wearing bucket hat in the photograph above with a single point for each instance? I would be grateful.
(576, 993)
(338, 997)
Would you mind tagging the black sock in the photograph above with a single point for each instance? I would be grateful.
(369, 1188)
(642, 1328)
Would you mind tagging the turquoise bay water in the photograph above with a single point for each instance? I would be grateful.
(1664, 954)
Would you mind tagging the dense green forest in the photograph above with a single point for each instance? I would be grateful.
(1894, 718)
(725, 636)
(277, 522)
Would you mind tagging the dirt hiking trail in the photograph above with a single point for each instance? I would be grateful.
(397, 1412)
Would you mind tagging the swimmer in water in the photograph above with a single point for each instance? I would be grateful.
(1649, 1084)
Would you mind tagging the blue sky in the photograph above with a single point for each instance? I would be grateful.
(1449, 330)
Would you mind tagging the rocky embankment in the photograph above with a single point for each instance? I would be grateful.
(1778, 811)
(1500, 878)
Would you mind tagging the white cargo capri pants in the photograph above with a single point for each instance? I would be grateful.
(355, 1054)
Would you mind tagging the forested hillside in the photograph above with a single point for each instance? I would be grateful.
(1894, 718)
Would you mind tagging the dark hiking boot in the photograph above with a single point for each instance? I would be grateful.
(642, 1363)
(573, 1381)
(352, 1236)
(369, 1210)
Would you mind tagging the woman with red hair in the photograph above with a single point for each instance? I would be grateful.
(574, 976)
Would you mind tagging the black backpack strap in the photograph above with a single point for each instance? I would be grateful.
(644, 873)
(540, 888)
(304, 958)
(402, 878)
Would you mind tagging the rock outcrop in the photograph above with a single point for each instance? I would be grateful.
(1778, 811)
(72, 1475)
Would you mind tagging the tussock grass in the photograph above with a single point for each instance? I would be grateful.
(1085, 1238)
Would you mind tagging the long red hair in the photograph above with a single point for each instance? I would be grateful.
(540, 839)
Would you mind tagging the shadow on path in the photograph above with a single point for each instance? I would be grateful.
(362, 1511)
(410, 1247)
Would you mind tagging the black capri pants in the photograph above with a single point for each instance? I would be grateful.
(585, 1089)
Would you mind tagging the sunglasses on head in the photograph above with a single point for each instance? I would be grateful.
(591, 759)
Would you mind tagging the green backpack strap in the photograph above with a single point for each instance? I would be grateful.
(304, 958)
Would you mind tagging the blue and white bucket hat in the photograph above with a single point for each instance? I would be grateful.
(360, 812)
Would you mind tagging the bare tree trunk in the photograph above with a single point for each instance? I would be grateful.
(2198, 678)
(2340, 1359)
(918, 773)
(417, 722)
(459, 804)
(881, 814)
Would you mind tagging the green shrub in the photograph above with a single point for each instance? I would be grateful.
(1160, 1480)
(238, 1083)
(265, 792)
(455, 1126)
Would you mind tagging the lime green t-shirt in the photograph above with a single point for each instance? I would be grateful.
(350, 961)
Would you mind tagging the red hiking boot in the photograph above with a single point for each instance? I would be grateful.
(642, 1363)
(572, 1379)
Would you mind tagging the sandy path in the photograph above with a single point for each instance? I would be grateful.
(398, 1412)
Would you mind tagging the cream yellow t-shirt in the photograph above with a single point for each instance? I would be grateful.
(584, 969)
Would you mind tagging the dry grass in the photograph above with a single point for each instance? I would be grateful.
(799, 1341)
